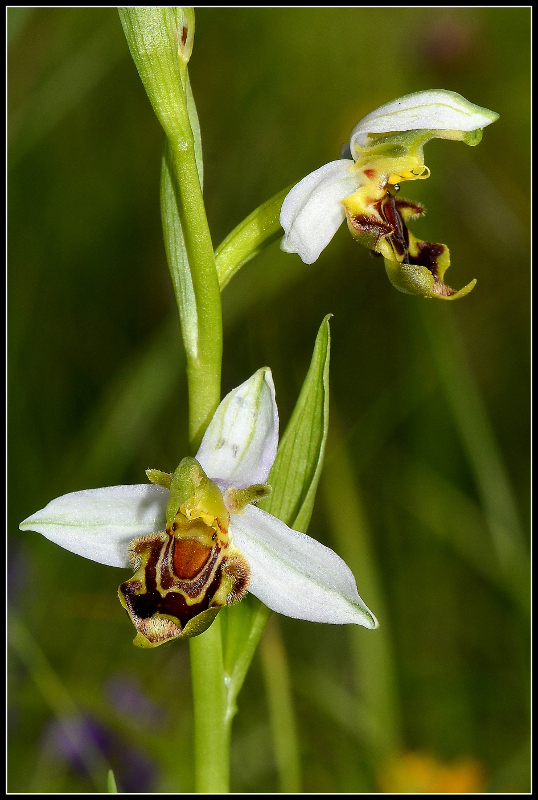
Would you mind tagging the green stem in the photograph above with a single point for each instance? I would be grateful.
(211, 732)
(160, 40)
(204, 365)
(211, 735)
(259, 229)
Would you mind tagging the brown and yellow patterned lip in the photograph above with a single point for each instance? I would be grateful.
(177, 579)
(180, 574)
(413, 266)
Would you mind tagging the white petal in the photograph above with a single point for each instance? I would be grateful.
(296, 575)
(239, 445)
(99, 523)
(437, 109)
(312, 212)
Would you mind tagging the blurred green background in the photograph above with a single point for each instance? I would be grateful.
(425, 490)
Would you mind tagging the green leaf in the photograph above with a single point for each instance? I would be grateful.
(177, 257)
(195, 126)
(295, 474)
(111, 783)
(294, 479)
(242, 627)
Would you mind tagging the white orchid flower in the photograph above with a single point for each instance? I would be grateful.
(385, 149)
(197, 542)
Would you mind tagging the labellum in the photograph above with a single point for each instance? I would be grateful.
(187, 573)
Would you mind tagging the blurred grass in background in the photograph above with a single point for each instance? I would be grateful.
(426, 485)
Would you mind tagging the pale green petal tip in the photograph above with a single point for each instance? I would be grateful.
(368, 619)
(456, 295)
(482, 116)
(436, 110)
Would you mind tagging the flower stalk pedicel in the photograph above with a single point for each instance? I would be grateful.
(386, 149)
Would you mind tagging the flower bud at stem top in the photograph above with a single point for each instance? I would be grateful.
(185, 32)
(160, 52)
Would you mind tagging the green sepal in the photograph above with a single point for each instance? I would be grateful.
(295, 474)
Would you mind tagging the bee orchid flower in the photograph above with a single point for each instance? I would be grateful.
(385, 149)
(195, 539)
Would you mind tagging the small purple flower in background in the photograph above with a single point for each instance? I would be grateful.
(125, 695)
(88, 747)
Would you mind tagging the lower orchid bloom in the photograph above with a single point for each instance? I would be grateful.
(385, 149)
(195, 539)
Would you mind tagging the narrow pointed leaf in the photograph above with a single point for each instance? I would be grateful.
(295, 473)
(247, 619)
(111, 783)
(176, 256)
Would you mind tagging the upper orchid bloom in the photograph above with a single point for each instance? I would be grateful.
(196, 541)
(385, 149)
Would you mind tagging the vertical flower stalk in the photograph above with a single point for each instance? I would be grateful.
(160, 40)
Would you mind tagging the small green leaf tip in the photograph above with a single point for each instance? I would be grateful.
(111, 783)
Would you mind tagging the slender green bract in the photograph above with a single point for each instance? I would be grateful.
(295, 474)
(111, 783)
